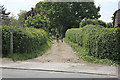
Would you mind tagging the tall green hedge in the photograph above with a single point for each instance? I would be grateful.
(25, 40)
(98, 41)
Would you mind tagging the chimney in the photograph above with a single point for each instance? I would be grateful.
(118, 5)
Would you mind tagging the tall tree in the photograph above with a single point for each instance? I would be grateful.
(5, 18)
(68, 14)
(21, 18)
(13, 21)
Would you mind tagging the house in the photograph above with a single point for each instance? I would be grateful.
(116, 22)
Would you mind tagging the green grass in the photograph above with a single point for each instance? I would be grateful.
(82, 53)
(24, 56)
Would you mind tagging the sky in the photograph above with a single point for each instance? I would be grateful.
(108, 7)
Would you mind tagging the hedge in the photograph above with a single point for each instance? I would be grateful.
(93, 22)
(25, 40)
(100, 42)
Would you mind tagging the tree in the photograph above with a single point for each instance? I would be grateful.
(68, 14)
(112, 18)
(56, 15)
(5, 18)
(37, 19)
(84, 10)
(21, 18)
(13, 20)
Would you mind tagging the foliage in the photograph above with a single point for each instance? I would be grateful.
(13, 21)
(34, 12)
(109, 25)
(112, 18)
(26, 40)
(33, 54)
(68, 14)
(21, 18)
(93, 22)
(5, 18)
(4, 12)
(38, 21)
(82, 53)
(99, 42)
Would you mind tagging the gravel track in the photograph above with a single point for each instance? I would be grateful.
(60, 52)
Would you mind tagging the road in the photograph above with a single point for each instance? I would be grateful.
(13, 73)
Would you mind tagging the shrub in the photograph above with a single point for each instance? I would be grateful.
(109, 25)
(38, 21)
(100, 42)
(25, 40)
(92, 21)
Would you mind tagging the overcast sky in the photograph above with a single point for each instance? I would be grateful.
(108, 7)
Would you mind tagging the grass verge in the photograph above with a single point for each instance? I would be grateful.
(82, 53)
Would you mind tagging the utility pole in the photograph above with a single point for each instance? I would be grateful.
(0, 40)
(0, 31)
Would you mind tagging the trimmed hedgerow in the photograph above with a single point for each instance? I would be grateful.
(100, 42)
(25, 40)
(93, 22)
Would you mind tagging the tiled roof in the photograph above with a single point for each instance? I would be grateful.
(116, 11)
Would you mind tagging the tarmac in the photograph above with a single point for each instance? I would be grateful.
(61, 67)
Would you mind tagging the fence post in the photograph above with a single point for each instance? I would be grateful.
(11, 42)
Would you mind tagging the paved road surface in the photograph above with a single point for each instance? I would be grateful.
(12, 73)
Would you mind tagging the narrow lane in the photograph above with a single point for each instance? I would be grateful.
(13, 73)
(60, 52)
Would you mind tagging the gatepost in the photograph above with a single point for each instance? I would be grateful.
(11, 41)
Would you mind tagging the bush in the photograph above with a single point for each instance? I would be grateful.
(38, 21)
(100, 42)
(92, 21)
(109, 25)
(25, 40)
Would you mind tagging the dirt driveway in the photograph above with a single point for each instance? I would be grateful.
(60, 52)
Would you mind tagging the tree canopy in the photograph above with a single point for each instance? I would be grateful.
(68, 14)
(37, 19)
